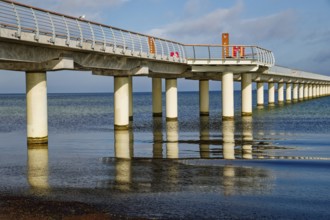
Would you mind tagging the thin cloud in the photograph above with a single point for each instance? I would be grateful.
(207, 28)
(92, 9)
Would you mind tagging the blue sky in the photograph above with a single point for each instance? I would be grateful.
(297, 31)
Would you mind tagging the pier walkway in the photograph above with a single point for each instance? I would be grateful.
(35, 41)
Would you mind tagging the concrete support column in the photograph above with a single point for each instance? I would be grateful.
(130, 92)
(310, 91)
(314, 91)
(280, 93)
(288, 92)
(157, 97)
(295, 92)
(246, 89)
(271, 94)
(227, 96)
(121, 102)
(306, 91)
(301, 92)
(204, 97)
(171, 100)
(260, 94)
(318, 90)
(36, 108)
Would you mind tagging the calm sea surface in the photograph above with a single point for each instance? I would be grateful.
(275, 164)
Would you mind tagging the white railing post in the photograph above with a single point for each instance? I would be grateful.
(93, 36)
(36, 36)
(19, 28)
(53, 28)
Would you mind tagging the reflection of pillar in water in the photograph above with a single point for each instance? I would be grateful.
(229, 180)
(228, 139)
(172, 134)
(123, 154)
(158, 137)
(247, 137)
(204, 128)
(38, 167)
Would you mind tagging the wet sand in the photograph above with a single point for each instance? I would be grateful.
(19, 207)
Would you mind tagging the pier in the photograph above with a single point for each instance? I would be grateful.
(36, 41)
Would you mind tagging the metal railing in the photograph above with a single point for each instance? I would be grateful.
(230, 52)
(284, 71)
(78, 32)
(63, 30)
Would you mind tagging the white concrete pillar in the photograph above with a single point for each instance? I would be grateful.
(288, 92)
(295, 92)
(130, 92)
(227, 96)
(246, 89)
(121, 102)
(314, 91)
(157, 97)
(271, 94)
(280, 93)
(301, 92)
(204, 97)
(171, 100)
(318, 91)
(306, 91)
(260, 94)
(310, 91)
(36, 108)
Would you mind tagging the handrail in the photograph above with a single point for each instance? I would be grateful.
(89, 35)
(229, 52)
(24, 18)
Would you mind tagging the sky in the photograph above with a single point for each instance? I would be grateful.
(297, 31)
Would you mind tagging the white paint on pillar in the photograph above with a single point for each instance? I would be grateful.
(271, 94)
(121, 102)
(288, 92)
(204, 97)
(227, 96)
(246, 89)
(295, 92)
(171, 100)
(280, 93)
(260, 93)
(310, 91)
(130, 92)
(301, 92)
(36, 107)
(157, 97)
(314, 91)
(306, 91)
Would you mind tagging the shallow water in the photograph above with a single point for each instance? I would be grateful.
(273, 165)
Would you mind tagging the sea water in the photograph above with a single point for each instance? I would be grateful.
(274, 164)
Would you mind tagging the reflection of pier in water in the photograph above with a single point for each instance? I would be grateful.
(172, 173)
